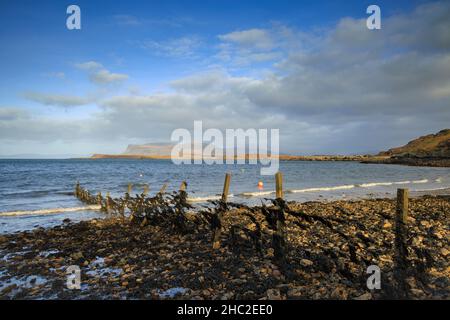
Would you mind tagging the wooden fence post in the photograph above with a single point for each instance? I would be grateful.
(77, 190)
(146, 189)
(279, 185)
(163, 189)
(99, 198)
(402, 205)
(401, 250)
(130, 188)
(217, 223)
(226, 187)
(108, 205)
(279, 236)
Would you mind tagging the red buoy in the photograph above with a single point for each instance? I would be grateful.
(260, 185)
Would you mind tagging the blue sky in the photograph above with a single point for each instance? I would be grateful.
(136, 64)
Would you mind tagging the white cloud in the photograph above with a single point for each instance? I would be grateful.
(99, 74)
(183, 47)
(104, 76)
(252, 38)
(11, 113)
(59, 100)
(345, 90)
(89, 65)
(127, 20)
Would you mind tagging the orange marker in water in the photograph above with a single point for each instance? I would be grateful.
(260, 185)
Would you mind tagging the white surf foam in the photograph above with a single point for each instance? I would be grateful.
(332, 188)
(390, 183)
(205, 199)
(256, 194)
(344, 187)
(375, 184)
(49, 211)
(403, 182)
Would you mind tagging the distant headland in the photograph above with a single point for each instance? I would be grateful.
(430, 150)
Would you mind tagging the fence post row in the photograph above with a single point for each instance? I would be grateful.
(279, 242)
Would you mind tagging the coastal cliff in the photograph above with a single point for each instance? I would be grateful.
(432, 150)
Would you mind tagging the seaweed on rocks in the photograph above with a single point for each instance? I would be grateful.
(166, 248)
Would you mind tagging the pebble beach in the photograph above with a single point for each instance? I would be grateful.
(330, 245)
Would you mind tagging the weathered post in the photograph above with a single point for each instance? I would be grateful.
(99, 198)
(217, 218)
(146, 189)
(226, 187)
(402, 205)
(401, 249)
(108, 204)
(130, 188)
(279, 236)
(77, 189)
(279, 185)
(180, 204)
(163, 189)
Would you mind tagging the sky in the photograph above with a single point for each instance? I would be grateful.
(137, 70)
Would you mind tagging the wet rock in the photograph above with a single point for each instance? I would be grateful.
(276, 273)
(339, 293)
(306, 262)
(330, 246)
(227, 296)
(365, 296)
(77, 255)
(273, 294)
(295, 293)
(387, 225)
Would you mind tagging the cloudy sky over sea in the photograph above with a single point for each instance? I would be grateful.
(138, 70)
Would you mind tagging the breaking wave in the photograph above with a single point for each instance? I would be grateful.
(206, 198)
(333, 188)
(256, 194)
(48, 211)
(344, 187)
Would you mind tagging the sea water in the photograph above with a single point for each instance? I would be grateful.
(40, 192)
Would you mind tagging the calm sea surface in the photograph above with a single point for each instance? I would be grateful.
(29, 185)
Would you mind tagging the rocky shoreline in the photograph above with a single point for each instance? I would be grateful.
(411, 161)
(329, 247)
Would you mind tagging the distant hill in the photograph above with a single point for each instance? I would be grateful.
(149, 149)
(163, 151)
(429, 146)
(432, 150)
